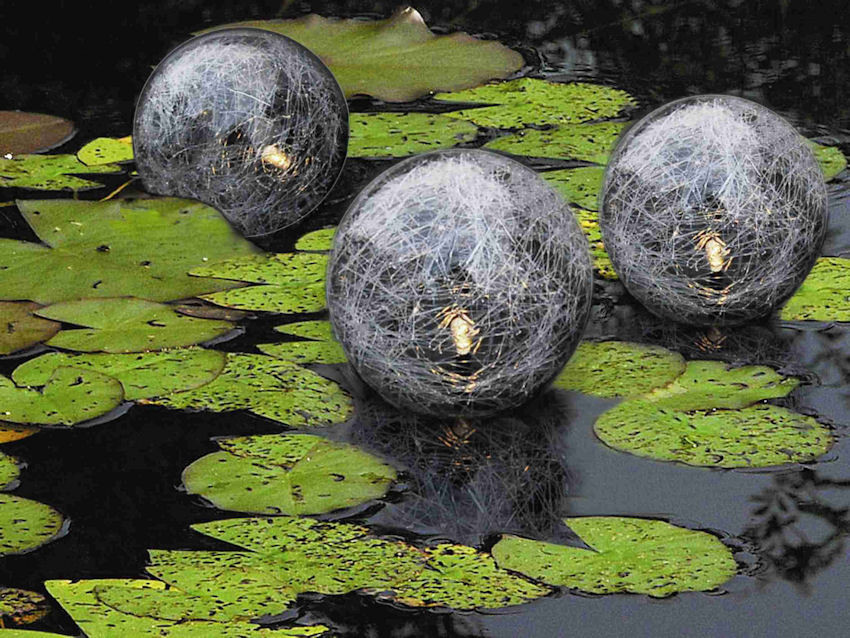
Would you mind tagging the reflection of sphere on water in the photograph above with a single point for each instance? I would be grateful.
(245, 120)
(459, 283)
(713, 210)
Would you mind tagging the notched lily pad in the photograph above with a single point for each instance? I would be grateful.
(289, 474)
(380, 135)
(22, 132)
(26, 524)
(322, 347)
(619, 369)
(20, 328)
(106, 150)
(50, 172)
(831, 160)
(587, 142)
(126, 324)
(22, 607)
(627, 555)
(824, 295)
(321, 240)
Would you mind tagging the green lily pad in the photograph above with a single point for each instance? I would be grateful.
(824, 294)
(628, 555)
(70, 396)
(831, 160)
(278, 390)
(321, 240)
(22, 132)
(586, 142)
(322, 347)
(126, 324)
(380, 135)
(279, 299)
(117, 248)
(28, 633)
(22, 607)
(50, 172)
(290, 474)
(579, 186)
(398, 59)
(143, 375)
(26, 524)
(10, 470)
(20, 328)
(589, 223)
(106, 150)
(619, 369)
(528, 101)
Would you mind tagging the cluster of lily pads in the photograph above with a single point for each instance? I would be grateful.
(124, 300)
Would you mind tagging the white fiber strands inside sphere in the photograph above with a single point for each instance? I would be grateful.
(713, 210)
(459, 283)
(247, 121)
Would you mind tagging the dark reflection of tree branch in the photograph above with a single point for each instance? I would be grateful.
(788, 524)
(472, 478)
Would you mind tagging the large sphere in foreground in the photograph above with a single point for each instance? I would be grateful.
(245, 120)
(713, 210)
(459, 283)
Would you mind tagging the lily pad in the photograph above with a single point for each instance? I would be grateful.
(278, 390)
(627, 555)
(321, 240)
(26, 524)
(143, 375)
(579, 186)
(322, 347)
(106, 150)
(22, 132)
(528, 101)
(398, 59)
(9, 433)
(126, 324)
(279, 299)
(50, 172)
(619, 369)
(22, 607)
(290, 474)
(824, 295)
(20, 328)
(589, 223)
(10, 470)
(587, 142)
(380, 135)
(831, 160)
(136, 248)
(69, 397)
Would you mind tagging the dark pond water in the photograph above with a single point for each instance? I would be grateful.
(119, 483)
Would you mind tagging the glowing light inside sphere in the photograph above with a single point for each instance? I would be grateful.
(713, 210)
(459, 283)
(247, 121)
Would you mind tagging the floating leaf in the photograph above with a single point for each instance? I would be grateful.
(22, 607)
(619, 369)
(579, 186)
(528, 101)
(138, 248)
(20, 328)
(143, 375)
(26, 524)
(290, 474)
(831, 160)
(106, 150)
(322, 348)
(32, 132)
(280, 299)
(204, 310)
(50, 172)
(586, 142)
(379, 135)
(28, 633)
(70, 396)
(10, 470)
(627, 555)
(126, 324)
(317, 241)
(278, 390)
(398, 59)
(9, 433)
(824, 295)
(589, 223)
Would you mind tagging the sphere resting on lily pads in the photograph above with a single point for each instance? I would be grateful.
(459, 283)
(246, 120)
(713, 210)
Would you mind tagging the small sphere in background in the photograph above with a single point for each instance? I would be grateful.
(713, 210)
(459, 283)
(246, 120)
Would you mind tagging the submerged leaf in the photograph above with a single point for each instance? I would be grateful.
(22, 607)
(26, 524)
(627, 555)
(50, 172)
(106, 150)
(32, 132)
(317, 241)
(379, 135)
(831, 160)
(20, 328)
(586, 142)
(824, 295)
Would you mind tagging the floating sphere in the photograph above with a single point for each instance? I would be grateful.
(459, 283)
(245, 120)
(713, 210)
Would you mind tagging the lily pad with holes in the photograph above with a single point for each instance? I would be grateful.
(579, 186)
(321, 240)
(139, 248)
(22, 607)
(278, 390)
(20, 328)
(589, 223)
(127, 324)
(10, 470)
(619, 369)
(322, 347)
(627, 555)
(143, 375)
(9, 433)
(270, 298)
(586, 142)
(26, 524)
(398, 59)
(528, 101)
(50, 172)
(106, 150)
(22, 132)
(70, 396)
(831, 160)
(290, 474)
(381, 135)
(824, 295)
